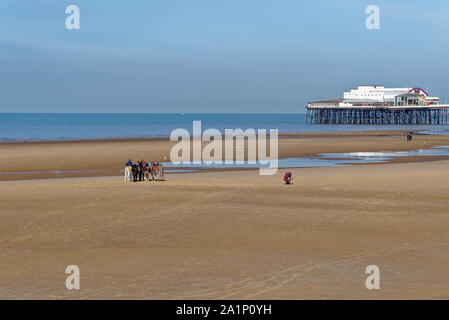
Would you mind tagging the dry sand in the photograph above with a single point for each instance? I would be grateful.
(231, 235)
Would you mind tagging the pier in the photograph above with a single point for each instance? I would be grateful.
(374, 104)
(405, 115)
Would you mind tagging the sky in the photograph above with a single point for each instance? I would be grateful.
(219, 56)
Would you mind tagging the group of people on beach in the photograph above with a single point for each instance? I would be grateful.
(143, 171)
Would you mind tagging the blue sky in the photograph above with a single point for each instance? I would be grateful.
(214, 55)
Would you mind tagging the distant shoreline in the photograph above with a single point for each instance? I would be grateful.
(374, 132)
(163, 138)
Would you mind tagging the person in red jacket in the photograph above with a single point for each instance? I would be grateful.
(288, 178)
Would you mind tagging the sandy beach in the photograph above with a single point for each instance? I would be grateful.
(224, 235)
(33, 160)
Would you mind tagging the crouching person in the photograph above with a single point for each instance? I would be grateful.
(288, 178)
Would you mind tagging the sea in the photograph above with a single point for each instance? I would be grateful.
(81, 126)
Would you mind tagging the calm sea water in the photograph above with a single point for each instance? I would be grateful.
(64, 126)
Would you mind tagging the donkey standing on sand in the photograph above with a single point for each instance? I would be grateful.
(157, 170)
(147, 171)
(136, 172)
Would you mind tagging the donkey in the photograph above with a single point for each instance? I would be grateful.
(157, 169)
(147, 171)
(136, 172)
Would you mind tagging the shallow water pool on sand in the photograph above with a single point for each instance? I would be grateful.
(328, 159)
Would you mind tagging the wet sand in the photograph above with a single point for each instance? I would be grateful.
(227, 235)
